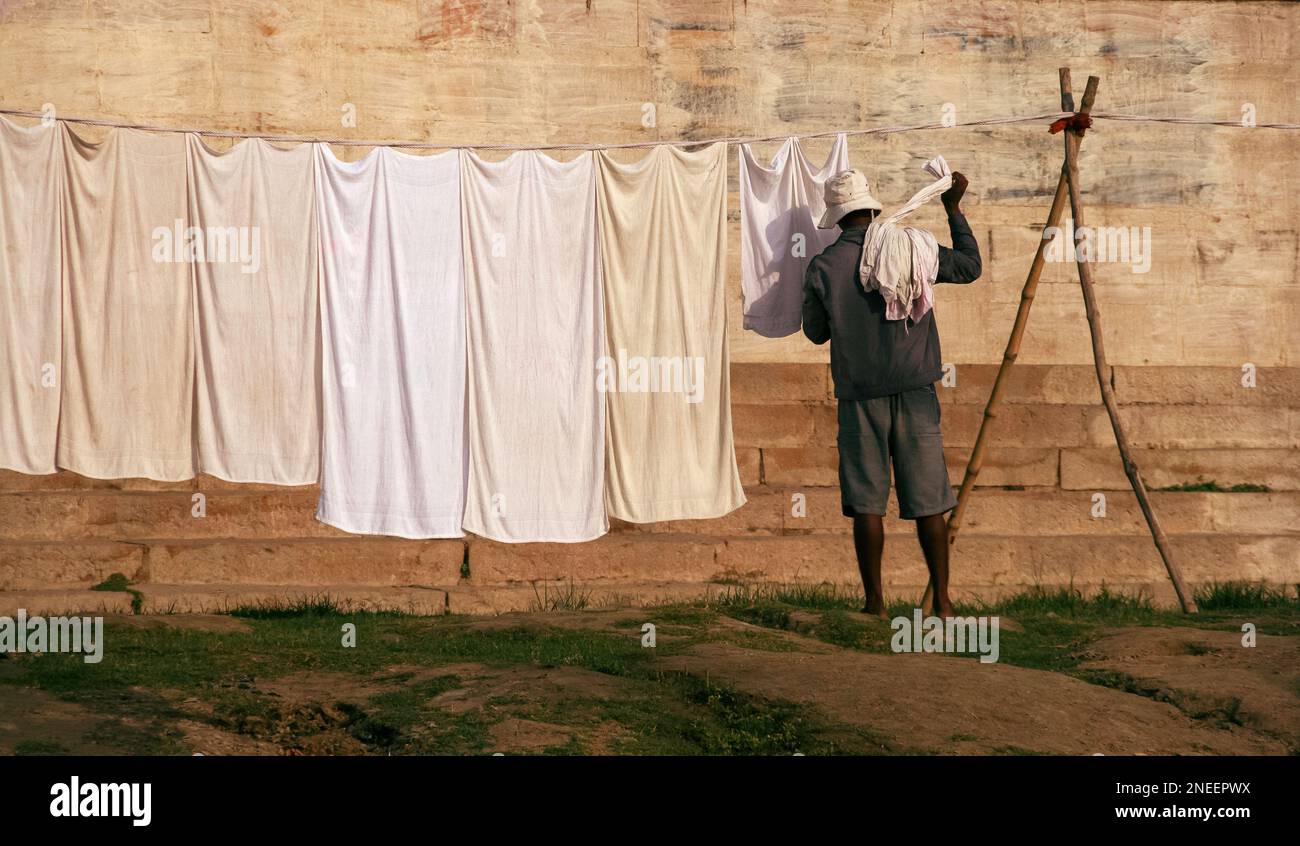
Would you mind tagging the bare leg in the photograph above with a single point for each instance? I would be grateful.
(932, 531)
(869, 543)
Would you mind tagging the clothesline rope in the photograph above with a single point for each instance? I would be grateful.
(731, 140)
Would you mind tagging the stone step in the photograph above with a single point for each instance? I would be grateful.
(350, 560)
(1019, 534)
(819, 465)
(1075, 438)
(1080, 468)
(1096, 468)
(64, 601)
(221, 599)
(980, 561)
(1070, 384)
(11, 481)
(132, 515)
(1015, 513)
(359, 560)
(627, 558)
(140, 517)
(35, 565)
(472, 599)
(1042, 426)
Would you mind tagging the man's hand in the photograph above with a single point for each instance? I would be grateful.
(952, 197)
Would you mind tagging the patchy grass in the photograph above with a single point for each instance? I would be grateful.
(40, 747)
(323, 605)
(1219, 596)
(115, 582)
(1222, 711)
(1069, 601)
(118, 583)
(568, 597)
(217, 678)
(1214, 487)
(823, 596)
(456, 685)
(1053, 627)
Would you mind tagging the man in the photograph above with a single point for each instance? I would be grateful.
(884, 373)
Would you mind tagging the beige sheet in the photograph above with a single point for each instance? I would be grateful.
(127, 308)
(29, 296)
(256, 395)
(669, 451)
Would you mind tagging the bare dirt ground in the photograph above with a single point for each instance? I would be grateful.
(958, 706)
(1211, 674)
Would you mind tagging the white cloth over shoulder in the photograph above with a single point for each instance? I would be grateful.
(30, 306)
(535, 333)
(393, 336)
(256, 397)
(780, 205)
(902, 262)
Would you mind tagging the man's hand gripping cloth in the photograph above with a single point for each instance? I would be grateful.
(902, 262)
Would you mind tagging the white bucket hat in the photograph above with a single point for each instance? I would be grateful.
(845, 192)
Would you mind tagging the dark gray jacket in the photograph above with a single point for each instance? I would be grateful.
(872, 356)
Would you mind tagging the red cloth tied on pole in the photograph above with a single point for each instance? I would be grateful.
(1079, 122)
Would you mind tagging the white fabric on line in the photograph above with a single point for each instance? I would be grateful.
(780, 205)
(902, 263)
(669, 452)
(393, 343)
(30, 299)
(128, 353)
(256, 394)
(535, 332)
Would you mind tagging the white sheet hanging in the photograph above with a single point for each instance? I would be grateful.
(256, 394)
(128, 352)
(393, 456)
(535, 331)
(780, 205)
(30, 355)
(670, 453)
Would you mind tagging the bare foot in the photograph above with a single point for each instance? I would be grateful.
(875, 608)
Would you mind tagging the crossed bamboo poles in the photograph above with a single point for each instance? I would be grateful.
(1067, 187)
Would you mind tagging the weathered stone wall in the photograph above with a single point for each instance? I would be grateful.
(1221, 290)
(1031, 523)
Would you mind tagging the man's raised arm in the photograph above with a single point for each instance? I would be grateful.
(961, 263)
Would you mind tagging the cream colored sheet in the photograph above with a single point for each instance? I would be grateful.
(535, 332)
(669, 448)
(30, 354)
(127, 307)
(256, 390)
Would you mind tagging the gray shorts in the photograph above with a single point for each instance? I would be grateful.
(902, 428)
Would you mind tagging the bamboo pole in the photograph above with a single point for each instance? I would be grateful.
(1099, 359)
(976, 462)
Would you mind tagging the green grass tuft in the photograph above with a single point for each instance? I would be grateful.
(323, 605)
(821, 596)
(567, 597)
(1214, 487)
(117, 583)
(1072, 602)
(1237, 595)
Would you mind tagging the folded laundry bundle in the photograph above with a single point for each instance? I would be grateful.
(902, 262)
